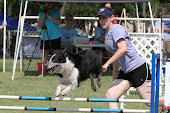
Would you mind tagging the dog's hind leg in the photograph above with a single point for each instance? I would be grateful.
(99, 80)
(59, 88)
(93, 86)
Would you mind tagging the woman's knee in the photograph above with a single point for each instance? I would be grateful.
(110, 94)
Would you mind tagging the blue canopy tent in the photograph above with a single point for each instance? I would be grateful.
(12, 23)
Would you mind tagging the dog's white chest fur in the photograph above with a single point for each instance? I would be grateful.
(69, 72)
(69, 77)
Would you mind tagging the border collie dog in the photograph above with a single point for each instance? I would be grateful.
(73, 69)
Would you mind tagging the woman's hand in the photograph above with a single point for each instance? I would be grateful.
(105, 67)
(48, 16)
(4, 23)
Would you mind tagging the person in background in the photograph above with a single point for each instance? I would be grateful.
(100, 33)
(109, 5)
(68, 31)
(1, 48)
(50, 18)
(134, 70)
(99, 36)
(3, 24)
(166, 30)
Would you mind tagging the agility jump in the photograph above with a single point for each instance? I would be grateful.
(153, 102)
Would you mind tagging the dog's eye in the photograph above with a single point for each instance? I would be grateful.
(63, 61)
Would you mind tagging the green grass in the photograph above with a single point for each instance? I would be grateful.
(31, 85)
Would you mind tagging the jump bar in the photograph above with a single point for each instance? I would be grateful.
(74, 99)
(72, 109)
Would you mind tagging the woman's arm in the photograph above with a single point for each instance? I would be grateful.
(167, 30)
(41, 21)
(101, 38)
(3, 24)
(115, 69)
(56, 21)
(122, 49)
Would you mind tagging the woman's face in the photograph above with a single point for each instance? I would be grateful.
(68, 22)
(164, 11)
(49, 4)
(108, 5)
(105, 22)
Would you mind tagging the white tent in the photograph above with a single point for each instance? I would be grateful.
(22, 18)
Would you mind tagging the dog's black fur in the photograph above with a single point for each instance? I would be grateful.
(73, 69)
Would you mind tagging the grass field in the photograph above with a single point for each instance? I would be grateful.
(31, 85)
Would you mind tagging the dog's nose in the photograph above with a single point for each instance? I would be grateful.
(45, 66)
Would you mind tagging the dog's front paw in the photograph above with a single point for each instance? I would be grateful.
(64, 92)
(57, 93)
(99, 82)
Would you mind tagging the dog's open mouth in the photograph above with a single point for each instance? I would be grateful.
(53, 69)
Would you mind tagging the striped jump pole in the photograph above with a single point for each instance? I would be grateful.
(74, 99)
(72, 109)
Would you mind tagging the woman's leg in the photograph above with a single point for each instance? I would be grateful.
(45, 56)
(144, 90)
(44, 62)
(117, 88)
(144, 93)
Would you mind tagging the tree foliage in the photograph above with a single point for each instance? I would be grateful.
(85, 9)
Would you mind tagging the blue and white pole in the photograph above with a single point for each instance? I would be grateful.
(72, 109)
(74, 99)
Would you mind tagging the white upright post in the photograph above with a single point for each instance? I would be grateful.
(17, 38)
(19, 41)
(167, 84)
(4, 43)
(137, 16)
(150, 10)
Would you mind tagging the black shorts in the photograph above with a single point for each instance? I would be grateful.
(138, 76)
(55, 44)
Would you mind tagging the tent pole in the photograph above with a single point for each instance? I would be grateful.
(137, 14)
(19, 25)
(4, 43)
(20, 38)
(150, 10)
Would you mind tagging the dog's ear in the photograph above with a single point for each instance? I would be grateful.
(65, 51)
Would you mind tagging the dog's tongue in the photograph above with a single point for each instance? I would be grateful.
(51, 71)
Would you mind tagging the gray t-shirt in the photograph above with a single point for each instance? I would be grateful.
(131, 60)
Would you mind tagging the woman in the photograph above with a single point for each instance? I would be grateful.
(49, 20)
(134, 70)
